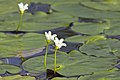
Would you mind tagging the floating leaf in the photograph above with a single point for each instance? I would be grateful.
(78, 38)
(7, 8)
(36, 22)
(99, 48)
(104, 48)
(75, 63)
(89, 28)
(103, 75)
(114, 29)
(10, 45)
(34, 65)
(64, 78)
(9, 68)
(93, 39)
(37, 63)
(17, 77)
(80, 64)
(114, 45)
(106, 6)
(79, 10)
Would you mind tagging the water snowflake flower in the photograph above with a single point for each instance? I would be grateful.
(59, 43)
(49, 36)
(22, 7)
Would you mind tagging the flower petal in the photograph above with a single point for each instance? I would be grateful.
(53, 36)
(20, 5)
(49, 33)
(46, 34)
(63, 44)
(61, 40)
(26, 6)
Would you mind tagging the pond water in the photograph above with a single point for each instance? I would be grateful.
(90, 29)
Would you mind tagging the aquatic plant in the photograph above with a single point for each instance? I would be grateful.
(22, 9)
(49, 38)
(58, 45)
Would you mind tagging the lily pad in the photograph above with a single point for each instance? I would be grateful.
(75, 63)
(114, 45)
(51, 21)
(64, 78)
(58, 1)
(102, 48)
(17, 77)
(9, 68)
(34, 65)
(106, 6)
(83, 64)
(10, 45)
(37, 63)
(77, 38)
(96, 38)
(11, 6)
(37, 22)
(99, 48)
(114, 29)
(86, 39)
(79, 10)
(89, 28)
(104, 75)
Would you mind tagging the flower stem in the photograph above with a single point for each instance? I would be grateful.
(45, 58)
(20, 22)
(55, 60)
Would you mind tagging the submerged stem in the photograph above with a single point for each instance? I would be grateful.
(45, 58)
(55, 60)
(20, 22)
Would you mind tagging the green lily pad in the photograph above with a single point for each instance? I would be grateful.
(78, 38)
(74, 63)
(34, 65)
(99, 48)
(10, 45)
(106, 6)
(17, 77)
(9, 68)
(37, 63)
(93, 39)
(79, 10)
(64, 78)
(104, 75)
(58, 1)
(83, 64)
(114, 45)
(114, 29)
(10, 7)
(89, 28)
(37, 22)
(102, 48)
(85, 39)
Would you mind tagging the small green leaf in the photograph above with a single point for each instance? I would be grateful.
(93, 39)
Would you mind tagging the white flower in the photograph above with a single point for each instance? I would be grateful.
(49, 36)
(22, 7)
(59, 43)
